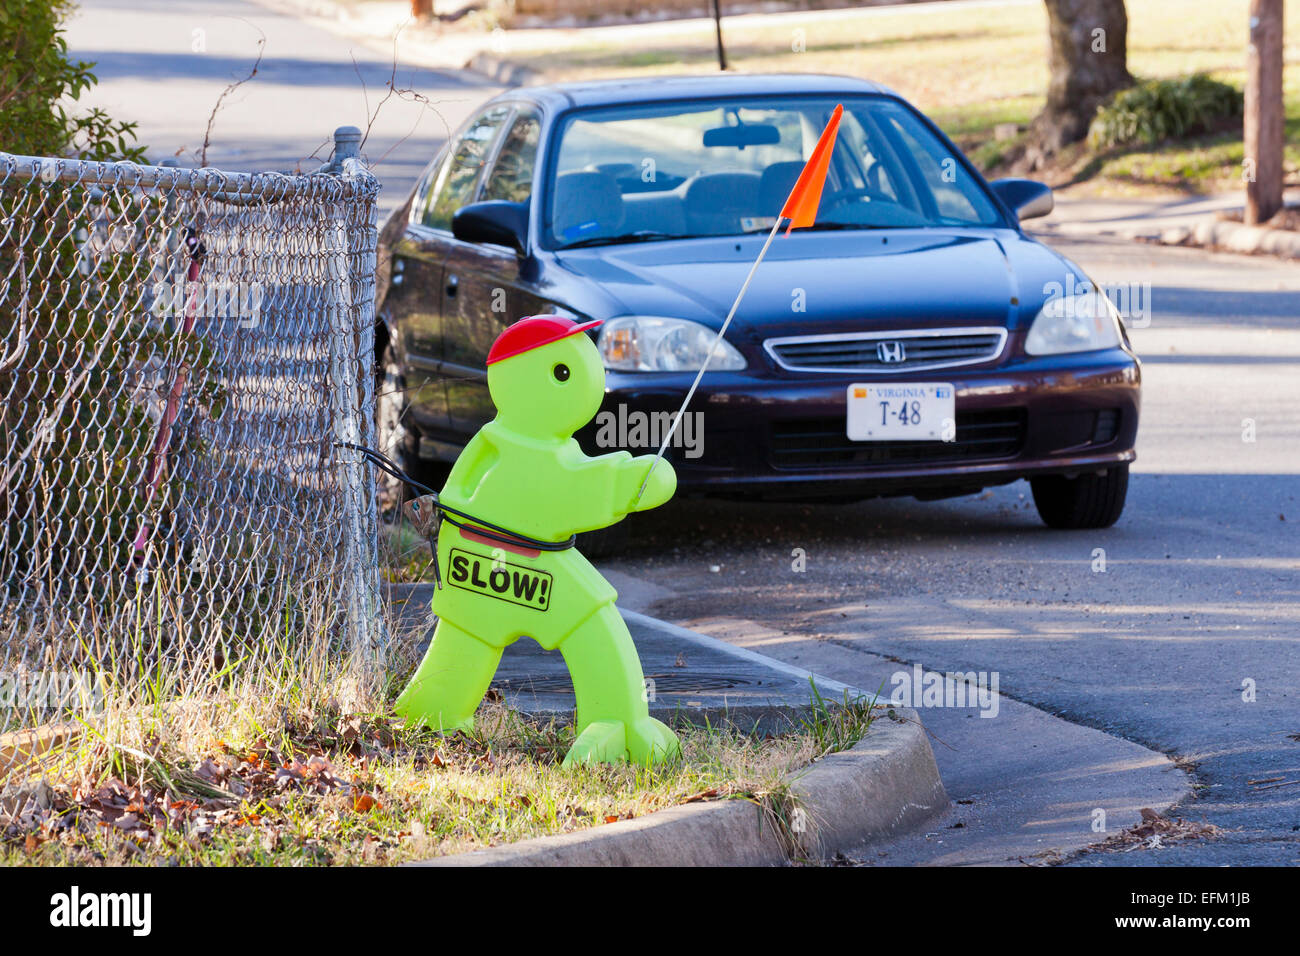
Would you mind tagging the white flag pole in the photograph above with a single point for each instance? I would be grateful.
(708, 358)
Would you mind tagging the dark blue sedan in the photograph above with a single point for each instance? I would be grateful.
(913, 341)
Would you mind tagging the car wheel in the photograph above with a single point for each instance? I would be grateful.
(1087, 501)
(394, 438)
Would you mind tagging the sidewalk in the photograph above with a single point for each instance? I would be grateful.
(1183, 221)
(1026, 787)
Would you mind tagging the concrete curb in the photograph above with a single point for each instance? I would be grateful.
(879, 788)
(1215, 234)
(1238, 237)
(20, 749)
(827, 686)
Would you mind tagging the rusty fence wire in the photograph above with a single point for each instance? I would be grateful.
(180, 352)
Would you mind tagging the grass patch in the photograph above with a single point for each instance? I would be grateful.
(319, 785)
(404, 556)
(971, 69)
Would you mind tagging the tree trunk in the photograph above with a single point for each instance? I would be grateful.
(1088, 62)
(717, 25)
(1264, 113)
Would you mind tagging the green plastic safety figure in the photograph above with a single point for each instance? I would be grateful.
(525, 482)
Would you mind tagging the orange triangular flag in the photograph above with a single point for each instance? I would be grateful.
(801, 207)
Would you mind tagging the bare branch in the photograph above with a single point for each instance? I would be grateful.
(216, 108)
(391, 90)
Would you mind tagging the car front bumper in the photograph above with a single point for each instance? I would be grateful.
(777, 434)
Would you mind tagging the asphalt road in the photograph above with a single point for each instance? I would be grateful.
(1198, 601)
(1199, 597)
(165, 65)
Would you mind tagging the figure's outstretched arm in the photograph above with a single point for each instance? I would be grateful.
(470, 468)
(607, 485)
(661, 486)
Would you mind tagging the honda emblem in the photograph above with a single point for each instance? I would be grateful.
(890, 353)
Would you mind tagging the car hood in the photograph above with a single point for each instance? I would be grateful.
(828, 282)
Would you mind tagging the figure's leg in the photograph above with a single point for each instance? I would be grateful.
(451, 680)
(613, 717)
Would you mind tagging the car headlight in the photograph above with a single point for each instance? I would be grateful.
(648, 343)
(1074, 323)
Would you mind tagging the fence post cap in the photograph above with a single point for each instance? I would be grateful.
(347, 143)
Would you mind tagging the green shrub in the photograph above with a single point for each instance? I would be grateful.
(36, 81)
(1157, 110)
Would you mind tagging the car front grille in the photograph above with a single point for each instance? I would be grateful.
(907, 351)
(821, 443)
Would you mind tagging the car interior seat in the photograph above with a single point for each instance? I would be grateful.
(775, 184)
(588, 205)
(716, 202)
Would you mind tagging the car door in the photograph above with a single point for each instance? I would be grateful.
(486, 287)
(413, 306)
(464, 283)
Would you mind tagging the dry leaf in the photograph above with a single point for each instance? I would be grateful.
(364, 802)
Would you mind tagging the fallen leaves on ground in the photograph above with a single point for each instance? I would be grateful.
(227, 790)
(1155, 831)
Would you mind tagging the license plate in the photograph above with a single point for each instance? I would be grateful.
(914, 411)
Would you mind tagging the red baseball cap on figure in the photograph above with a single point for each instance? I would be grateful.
(534, 332)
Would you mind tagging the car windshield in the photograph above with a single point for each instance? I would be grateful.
(720, 168)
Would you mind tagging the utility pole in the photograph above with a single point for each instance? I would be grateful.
(717, 25)
(1264, 115)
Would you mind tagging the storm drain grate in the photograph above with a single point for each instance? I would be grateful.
(664, 683)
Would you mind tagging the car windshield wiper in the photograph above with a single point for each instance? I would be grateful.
(830, 226)
(641, 235)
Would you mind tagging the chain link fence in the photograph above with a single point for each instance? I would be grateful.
(181, 350)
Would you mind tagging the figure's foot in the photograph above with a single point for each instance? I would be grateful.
(645, 741)
(651, 741)
(424, 709)
(602, 741)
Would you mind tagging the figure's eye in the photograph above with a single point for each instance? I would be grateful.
(561, 372)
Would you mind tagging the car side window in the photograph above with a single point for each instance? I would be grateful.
(942, 176)
(512, 175)
(454, 186)
(424, 191)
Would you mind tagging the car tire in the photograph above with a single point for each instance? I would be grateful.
(1086, 501)
(394, 438)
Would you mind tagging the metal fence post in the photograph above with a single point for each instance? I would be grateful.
(352, 242)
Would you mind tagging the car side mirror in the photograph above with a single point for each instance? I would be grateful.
(1027, 198)
(496, 221)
